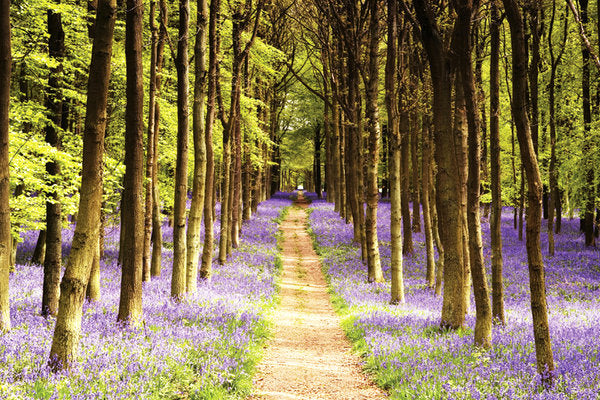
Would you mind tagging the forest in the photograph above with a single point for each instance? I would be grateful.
(170, 169)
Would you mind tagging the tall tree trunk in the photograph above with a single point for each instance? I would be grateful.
(207, 251)
(178, 280)
(447, 181)
(375, 273)
(407, 247)
(391, 102)
(496, 217)
(148, 206)
(198, 190)
(130, 303)
(156, 263)
(86, 238)
(483, 323)
(588, 167)
(545, 360)
(425, 183)
(5, 235)
(39, 253)
(415, 195)
(317, 161)
(54, 101)
(92, 290)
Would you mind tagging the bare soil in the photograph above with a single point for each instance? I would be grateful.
(309, 356)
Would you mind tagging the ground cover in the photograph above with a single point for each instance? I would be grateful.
(204, 347)
(412, 359)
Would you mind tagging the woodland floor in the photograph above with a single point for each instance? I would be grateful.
(309, 356)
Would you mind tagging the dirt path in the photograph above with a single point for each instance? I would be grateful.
(309, 356)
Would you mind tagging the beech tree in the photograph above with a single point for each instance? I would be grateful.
(539, 308)
(85, 240)
(130, 303)
(5, 234)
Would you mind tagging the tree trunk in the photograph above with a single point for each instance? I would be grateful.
(207, 251)
(496, 217)
(375, 273)
(483, 322)
(198, 189)
(92, 291)
(588, 165)
(86, 238)
(407, 247)
(448, 180)
(130, 303)
(5, 234)
(53, 257)
(414, 154)
(39, 252)
(156, 263)
(425, 178)
(148, 206)
(545, 361)
(178, 281)
(317, 161)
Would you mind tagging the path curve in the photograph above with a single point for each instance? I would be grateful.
(309, 356)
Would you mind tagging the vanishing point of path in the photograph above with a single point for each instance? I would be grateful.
(309, 356)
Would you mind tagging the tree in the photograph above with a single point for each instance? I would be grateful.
(130, 303)
(178, 281)
(495, 220)
(206, 268)
(483, 323)
(448, 191)
(397, 290)
(198, 190)
(539, 309)
(5, 234)
(372, 113)
(85, 240)
(54, 104)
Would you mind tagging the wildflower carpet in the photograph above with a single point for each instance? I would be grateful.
(309, 356)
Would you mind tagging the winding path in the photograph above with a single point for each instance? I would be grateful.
(309, 357)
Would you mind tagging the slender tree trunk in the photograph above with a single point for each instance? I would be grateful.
(130, 303)
(92, 291)
(156, 263)
(414, 153)
(407, 247)
(425, 178)
(207, 251)
(39, 253)
(198, 189)
(375, 273)
(54, 102)
(178, 281)
(86, 238)
(148, 206)
(5, 234)
(588, 166)
(483, 323)
(496, 217)
(317, 161)
(545, 359)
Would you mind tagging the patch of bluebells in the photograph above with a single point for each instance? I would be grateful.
(201, 346)
(411, 358)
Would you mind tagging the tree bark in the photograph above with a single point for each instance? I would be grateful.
(495, 166)
(178, 280)
(54, 103)
(156, 263)
(86, 238)
(198, 189)
(39, 253)
(483, 322)
(375, 273)
(130, 303)
(425, 183)
(545, 360)
(448, 181)
(5, 234)
(148, 206)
